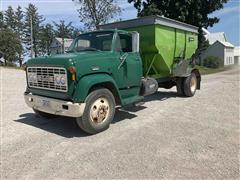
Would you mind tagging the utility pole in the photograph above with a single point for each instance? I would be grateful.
(31, 25)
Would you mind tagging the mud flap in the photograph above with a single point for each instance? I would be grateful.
(181, 69)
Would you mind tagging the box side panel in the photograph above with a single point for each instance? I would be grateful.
(156, 47)
(180, 43)
(160, 45)
(165, 42)
(147, 44)
(191, 44)
(147, 38)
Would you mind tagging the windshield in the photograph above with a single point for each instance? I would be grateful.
(96, 41)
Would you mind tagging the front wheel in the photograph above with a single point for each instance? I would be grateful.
(99, 111)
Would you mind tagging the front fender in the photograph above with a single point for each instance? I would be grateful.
(86, 82)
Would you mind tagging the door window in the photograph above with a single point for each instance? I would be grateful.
(124, 42)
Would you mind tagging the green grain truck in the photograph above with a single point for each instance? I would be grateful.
(115, 66)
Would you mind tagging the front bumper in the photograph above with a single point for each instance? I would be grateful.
(54, 106)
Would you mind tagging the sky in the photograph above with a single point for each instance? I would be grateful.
(56, 10)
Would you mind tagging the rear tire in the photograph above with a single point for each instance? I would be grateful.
(179, 86)
(190, 85)
(99, 111)
(43, 114)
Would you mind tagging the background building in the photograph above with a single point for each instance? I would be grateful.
(237, 55)
(222, 50)
(57, 45)
(219, 47)
(1, 61)
(213, 37)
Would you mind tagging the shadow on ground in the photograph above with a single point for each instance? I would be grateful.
(161, 96)
(67, 127)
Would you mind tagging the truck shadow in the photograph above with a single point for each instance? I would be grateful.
(68, 128)
(63, 126)
(161, 96)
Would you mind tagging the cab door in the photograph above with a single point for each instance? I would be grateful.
(129, 62)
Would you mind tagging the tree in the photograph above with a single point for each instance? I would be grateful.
(19, 28)
(194, 12)
(77, 31)
(9, 45)
(95, 12)
(32, 24)
(63, 31)
(46, 38)
(2, 23)
(9, 18)
(14, 22)
(19, 21)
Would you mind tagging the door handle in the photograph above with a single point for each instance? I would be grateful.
(123, 59)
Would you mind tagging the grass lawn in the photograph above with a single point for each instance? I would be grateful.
(205, 70)
(12, 67)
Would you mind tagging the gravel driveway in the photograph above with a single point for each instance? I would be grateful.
(167, 137)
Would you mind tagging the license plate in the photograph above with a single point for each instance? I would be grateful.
(45, 103)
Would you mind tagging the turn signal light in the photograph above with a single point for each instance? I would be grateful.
(73, 77)
(72, 69)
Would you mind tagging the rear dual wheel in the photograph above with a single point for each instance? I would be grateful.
(99, 111)
(187, 86)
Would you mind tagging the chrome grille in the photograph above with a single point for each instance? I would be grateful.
(45, 78)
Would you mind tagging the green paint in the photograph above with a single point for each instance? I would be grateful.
(159, 46)
(126, 79)
(89, 81)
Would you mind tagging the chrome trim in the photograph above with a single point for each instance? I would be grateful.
(150, 20)
(55, 106)
(48, 85)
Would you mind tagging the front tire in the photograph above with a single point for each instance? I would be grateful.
(99, 111)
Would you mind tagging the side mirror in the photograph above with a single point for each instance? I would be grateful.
(135, 42)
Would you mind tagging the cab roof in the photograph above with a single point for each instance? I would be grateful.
(106, 30)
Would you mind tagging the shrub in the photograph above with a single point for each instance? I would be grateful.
(11, 64)
(212, 62)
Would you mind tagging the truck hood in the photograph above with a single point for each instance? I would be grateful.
(83, 61)
(64, 60)
(53, 60)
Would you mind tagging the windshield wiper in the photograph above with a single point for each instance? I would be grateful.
(69, 51)
(89, 49)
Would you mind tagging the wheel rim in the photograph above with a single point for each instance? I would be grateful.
(193, 84)
(99, 110)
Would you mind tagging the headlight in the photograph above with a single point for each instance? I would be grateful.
(32, 77)
(29, 77)
(60, 80)
(63, 80)
(57, 80)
